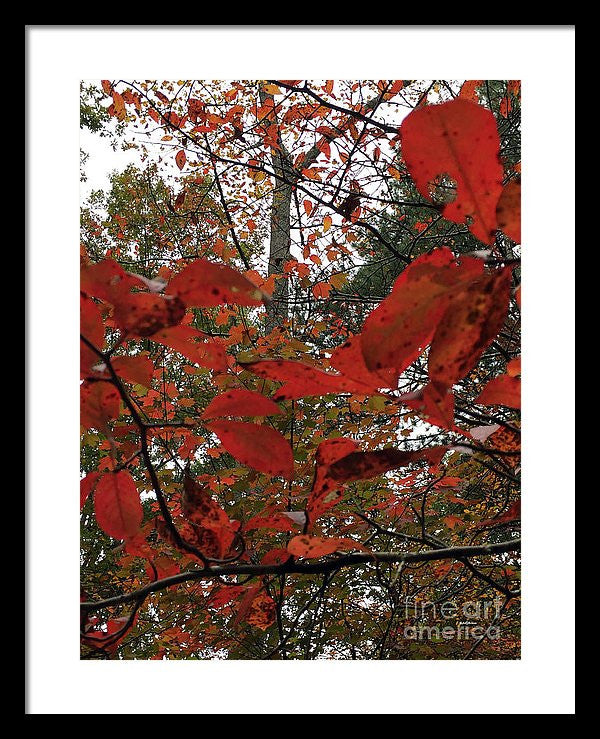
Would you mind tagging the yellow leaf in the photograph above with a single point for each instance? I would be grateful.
(272, 89)
(338, 280)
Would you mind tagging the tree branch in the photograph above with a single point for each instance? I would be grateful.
(307, 568)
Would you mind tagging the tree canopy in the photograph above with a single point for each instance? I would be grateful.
(300, 371)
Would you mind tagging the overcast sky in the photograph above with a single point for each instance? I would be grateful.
(102, 161)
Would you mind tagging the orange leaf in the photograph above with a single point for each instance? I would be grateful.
(180, 159)
(262, 612)
(513, 368)
(321, 290)
(469, 90)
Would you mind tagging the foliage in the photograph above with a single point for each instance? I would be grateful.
(300, 372)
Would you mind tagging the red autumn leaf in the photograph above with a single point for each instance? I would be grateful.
(257, 446)
(107, 280)
(436, 403)
(204, 283)
(276, 556)
(225, 595)
(179, 200)
(302, 380)
(397, 331)
(205, 540)
(198, 506)
(276, 520)
(325, 492)
(349, 360)
(160, 567)
(240, 402)
(138, 546)
(109, 639)
(86, 485)
(505, 107)
(472, 321)
(117, 503)
(90, 326)
(458, 139)
(364, 465)
(308, 206)
(99, 403)
(180, 159)
(324, 147)
(143, 314)
(508, 211)
(319, 546)
(245, 602)
(503, 390)
(195, 345)
(137, 369)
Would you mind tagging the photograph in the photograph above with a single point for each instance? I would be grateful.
(301, 369)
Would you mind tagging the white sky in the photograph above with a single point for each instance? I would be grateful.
(102, 161)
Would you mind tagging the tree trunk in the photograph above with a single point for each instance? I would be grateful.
(280, 239)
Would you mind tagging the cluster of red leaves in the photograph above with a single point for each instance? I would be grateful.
(455, 307)
(140, 313)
